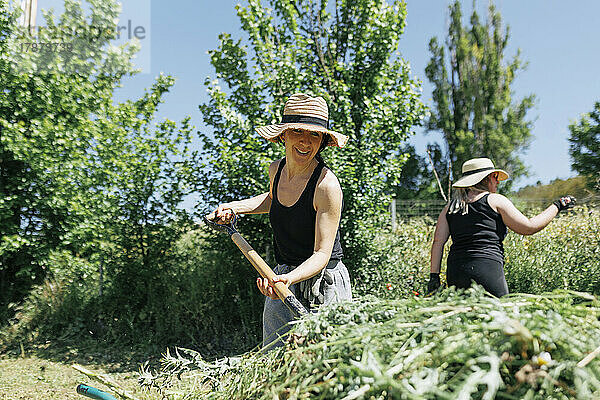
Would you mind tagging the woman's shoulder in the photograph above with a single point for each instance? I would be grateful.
(328, 180)
(274, 166)
(328, 188)
(497, 197)
(497, 201)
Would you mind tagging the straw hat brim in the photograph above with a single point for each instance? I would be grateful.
(474, 179)
(272, 132)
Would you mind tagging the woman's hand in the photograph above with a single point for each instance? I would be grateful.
(222, 215)
(434, 282)
(267, 288)
(565, 203)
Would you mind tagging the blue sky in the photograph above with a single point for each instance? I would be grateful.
(559, 40)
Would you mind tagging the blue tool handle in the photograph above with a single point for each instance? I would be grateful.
(94, 393)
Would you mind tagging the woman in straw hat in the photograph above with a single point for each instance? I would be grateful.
(304, 203)
(476, 219)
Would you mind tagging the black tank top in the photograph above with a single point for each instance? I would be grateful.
(294, 226)
(479, 233)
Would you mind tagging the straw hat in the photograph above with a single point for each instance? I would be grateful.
(304, 112)
(474, 170)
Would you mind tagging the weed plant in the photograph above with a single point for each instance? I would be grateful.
(60, 307)
(402, 261)
(455, 345)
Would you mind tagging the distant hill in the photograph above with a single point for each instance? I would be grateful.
(577, 186)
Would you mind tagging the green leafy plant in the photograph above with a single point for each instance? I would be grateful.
(585, 145)
(453, 345)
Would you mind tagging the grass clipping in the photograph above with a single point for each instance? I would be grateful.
(455, 345)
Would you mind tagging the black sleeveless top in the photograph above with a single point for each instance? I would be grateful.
(294, 226)
(479, 233)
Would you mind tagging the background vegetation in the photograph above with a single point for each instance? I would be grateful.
(94, 244)
(472, 97)
(585, 146)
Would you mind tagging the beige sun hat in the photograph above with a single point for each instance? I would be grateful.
(474, 170)
(304, 112)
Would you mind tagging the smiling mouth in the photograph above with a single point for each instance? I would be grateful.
(304, 153)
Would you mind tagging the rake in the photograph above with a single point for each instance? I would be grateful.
(283, 292)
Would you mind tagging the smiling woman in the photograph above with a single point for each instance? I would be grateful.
(304, 203)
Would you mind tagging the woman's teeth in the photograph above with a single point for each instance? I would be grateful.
(302, 152)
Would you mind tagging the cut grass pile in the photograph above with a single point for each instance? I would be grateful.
(455, 345)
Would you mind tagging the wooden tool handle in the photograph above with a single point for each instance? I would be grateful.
(283, 292)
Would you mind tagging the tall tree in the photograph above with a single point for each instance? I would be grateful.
(345, 52)
(472, 98)
(417, 180)
(48, 97)
(585, 145)
(80, 172)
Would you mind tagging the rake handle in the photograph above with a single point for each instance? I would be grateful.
(283, 292)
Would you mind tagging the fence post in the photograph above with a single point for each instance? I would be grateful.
(393, 213)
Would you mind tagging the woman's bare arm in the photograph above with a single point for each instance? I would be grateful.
(516, 221)
(254, 205)
(440, 237)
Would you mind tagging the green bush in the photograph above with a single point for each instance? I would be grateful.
(398, 264)
(61, 306)
(216, 303)
(565, 255)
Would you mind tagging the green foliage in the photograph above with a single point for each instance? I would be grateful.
(47, 129)
(577, 186)
(585, 145)
(473, 106)
(61, 306)
(417, 180)
(453, 345)
(204, 300)
(87, 176)
(563, 256)
(402, 259)
(346, 53)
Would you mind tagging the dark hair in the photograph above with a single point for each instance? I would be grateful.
(324, 142)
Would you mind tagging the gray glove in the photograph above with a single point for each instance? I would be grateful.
(312, 289)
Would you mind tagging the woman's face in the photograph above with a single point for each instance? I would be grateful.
(302, 145)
